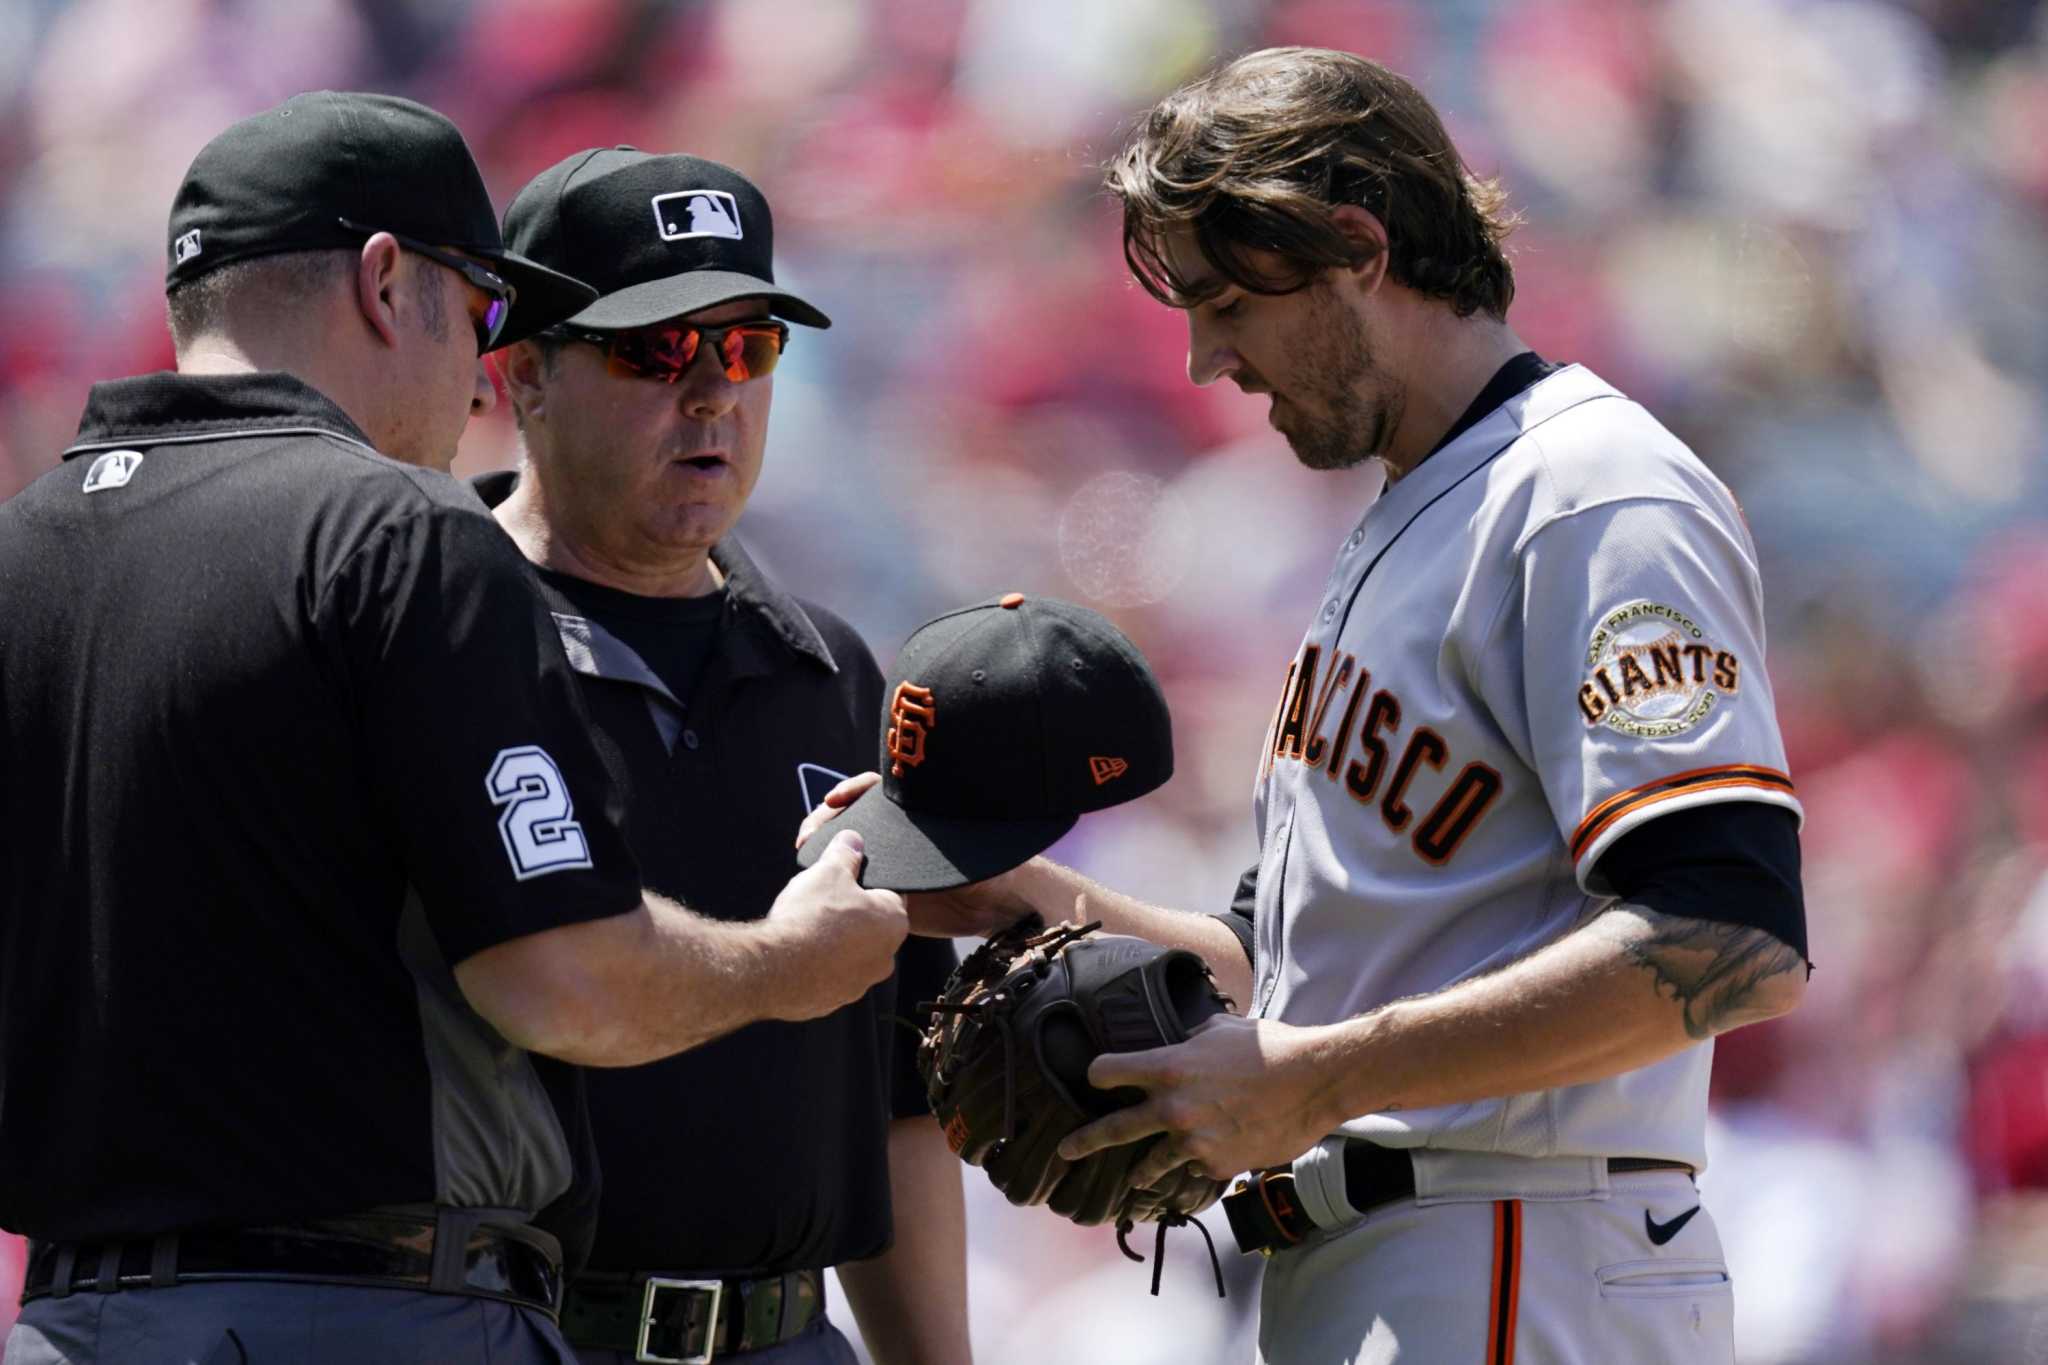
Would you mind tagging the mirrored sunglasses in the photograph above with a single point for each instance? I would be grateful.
(666, 350)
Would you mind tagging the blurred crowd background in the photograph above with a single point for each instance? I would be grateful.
(1811, 235)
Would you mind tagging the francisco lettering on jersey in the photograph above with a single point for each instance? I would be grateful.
(1377, 777)
(1652, 673)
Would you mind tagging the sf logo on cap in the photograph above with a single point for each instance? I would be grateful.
(697, 213)
(911, 717)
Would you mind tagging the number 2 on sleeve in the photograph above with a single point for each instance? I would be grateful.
(540, 835)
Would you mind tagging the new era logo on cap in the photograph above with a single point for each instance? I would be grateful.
(1106, 769)
(186, 247)
(697, 213)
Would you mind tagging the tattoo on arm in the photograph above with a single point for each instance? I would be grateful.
(1715, 972)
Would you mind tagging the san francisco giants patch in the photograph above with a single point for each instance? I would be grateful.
(1652, 672)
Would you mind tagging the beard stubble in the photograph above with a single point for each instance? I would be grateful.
(1358, 407)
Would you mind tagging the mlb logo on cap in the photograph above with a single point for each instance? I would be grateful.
(186, 247)
(697, 213)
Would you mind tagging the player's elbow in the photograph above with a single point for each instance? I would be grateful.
(1779, 994)
(551, 993)
(1772, 985)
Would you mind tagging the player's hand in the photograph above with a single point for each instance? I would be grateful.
(1239, 1094)
(838, 937)
(977, 910)
(836, 800)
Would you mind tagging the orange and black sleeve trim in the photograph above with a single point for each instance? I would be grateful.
(1620, 806)
(1726, 862)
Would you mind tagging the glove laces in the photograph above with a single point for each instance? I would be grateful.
(1169, 1220)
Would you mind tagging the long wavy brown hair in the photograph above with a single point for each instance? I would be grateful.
(1257, 155)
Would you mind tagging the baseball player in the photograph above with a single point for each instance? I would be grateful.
(1527, 842)
(309, 849)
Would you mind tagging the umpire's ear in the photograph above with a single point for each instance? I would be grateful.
(378, 278)
(524, 365)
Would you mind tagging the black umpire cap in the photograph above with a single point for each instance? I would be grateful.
(329, 168)
(659, 235)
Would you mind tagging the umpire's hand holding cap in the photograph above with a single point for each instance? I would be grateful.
(1003, 724)
(660, 236)
(332, 168)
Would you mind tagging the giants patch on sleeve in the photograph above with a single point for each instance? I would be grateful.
(1652, 673)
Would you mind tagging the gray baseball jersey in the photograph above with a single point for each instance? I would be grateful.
(1547, 634)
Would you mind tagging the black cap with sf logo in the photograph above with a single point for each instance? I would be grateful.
(1003, 724)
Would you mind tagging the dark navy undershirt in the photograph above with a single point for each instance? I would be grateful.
(674, 636)
(1510, 379)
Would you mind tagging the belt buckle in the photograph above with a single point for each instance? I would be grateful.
(1272, 1191)
(656, 1285)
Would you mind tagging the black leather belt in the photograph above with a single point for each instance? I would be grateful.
(375, 1250)
(1266, 1216)
(677, 1320)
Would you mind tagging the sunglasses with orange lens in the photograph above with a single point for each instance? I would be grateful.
(666, 350)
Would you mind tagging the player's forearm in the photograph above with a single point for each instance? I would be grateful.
(1628, 989)
(1053, 890)
(911, 1301)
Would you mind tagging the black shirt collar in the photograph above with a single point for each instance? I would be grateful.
(1510, 379)
(151, 409)
(748, 590)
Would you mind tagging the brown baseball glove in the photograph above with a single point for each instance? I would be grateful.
(1005, 1060)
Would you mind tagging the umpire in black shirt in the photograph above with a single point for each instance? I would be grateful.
(734, 1174)
(307, 842)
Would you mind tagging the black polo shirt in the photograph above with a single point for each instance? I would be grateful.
(767, 1149)
(284, 733)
